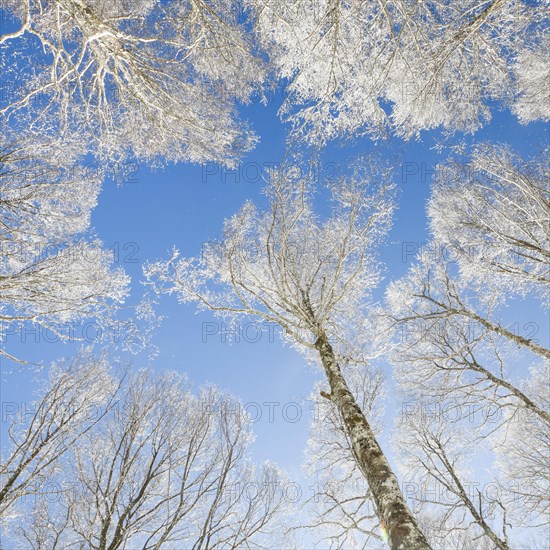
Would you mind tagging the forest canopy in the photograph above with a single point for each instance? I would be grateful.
(359, 189)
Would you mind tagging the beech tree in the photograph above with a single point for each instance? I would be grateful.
(154, 466)
(457, 357)
(312, 277)
(78, 393)
(404, 66)
(523, 456)
(158, 80)
(437, 459)
(124, 68)
(490, 211)
(52, 272)
(341, 512)
(531, 69)
(440, 447)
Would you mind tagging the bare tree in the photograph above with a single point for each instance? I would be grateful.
(441, 445)
(458, 358)
(156, 467)
(493, 223)
(123, 68)
(149, 78)
(52, 272)
(341, 511)
(531, 69)
(78, 394)
(312, 278)
(369, 66)
(523, 456)
(437, 454)
(491, 211)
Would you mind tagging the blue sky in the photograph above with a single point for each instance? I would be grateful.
(184, 206)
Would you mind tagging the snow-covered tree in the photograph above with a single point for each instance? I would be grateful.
(461, 365)
(51, 271)
(532, 70)
(369, 66)
(149, 78)
(78, 393)
(524, 452)
(491, 213)
(164, 468)
(341, 514)
(438, 455)
(312, 276)
(441, 445)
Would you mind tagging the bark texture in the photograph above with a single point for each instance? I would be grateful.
(391, 508)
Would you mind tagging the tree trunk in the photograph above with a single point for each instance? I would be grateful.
(392, 511)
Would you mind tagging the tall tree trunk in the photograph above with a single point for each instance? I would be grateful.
(391, 508)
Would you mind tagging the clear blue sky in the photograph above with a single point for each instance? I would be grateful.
(185, 206)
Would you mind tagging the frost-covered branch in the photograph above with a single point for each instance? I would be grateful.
(372, 66)
(312, 277)
(158, 80)
(51, 272)
(157, 467)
